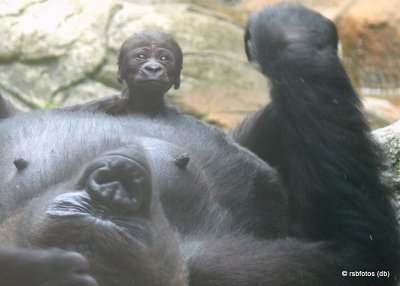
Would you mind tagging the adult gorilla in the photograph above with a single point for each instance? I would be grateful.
(167, 200)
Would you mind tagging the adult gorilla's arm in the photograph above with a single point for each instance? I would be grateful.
(315, 134)
(261, 133)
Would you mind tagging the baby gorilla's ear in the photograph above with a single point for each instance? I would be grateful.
(121, 74)
(177, 80)
(122, 68)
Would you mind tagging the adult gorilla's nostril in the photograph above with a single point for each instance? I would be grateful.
(101, 181)
(121, 183)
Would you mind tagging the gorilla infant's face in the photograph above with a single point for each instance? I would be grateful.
(150, 62)
(151, 67)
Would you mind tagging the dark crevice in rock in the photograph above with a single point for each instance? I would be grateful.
(16, 95)
(208, 54)
(212, 14)
(45, 60)
(23, 9)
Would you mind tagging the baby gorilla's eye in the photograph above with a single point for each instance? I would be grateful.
(141, 57)
(165, 58)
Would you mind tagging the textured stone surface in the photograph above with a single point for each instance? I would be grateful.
(56, 53)
(389, 137)
(370, 33)
(50, 46)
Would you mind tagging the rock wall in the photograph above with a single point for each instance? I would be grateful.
(389, 137)
(62, 52)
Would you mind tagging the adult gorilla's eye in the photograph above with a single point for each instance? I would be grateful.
(141, 57)
(165, 58)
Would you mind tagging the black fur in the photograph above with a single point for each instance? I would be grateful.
(316, 136)
(166, 200)
(150, 63)
(221, 194)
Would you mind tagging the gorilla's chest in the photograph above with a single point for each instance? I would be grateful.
(56, 146)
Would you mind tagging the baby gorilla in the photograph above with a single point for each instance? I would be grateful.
(150, 63)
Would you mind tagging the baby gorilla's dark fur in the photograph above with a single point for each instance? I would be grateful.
(171, 201)
(150, 63)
